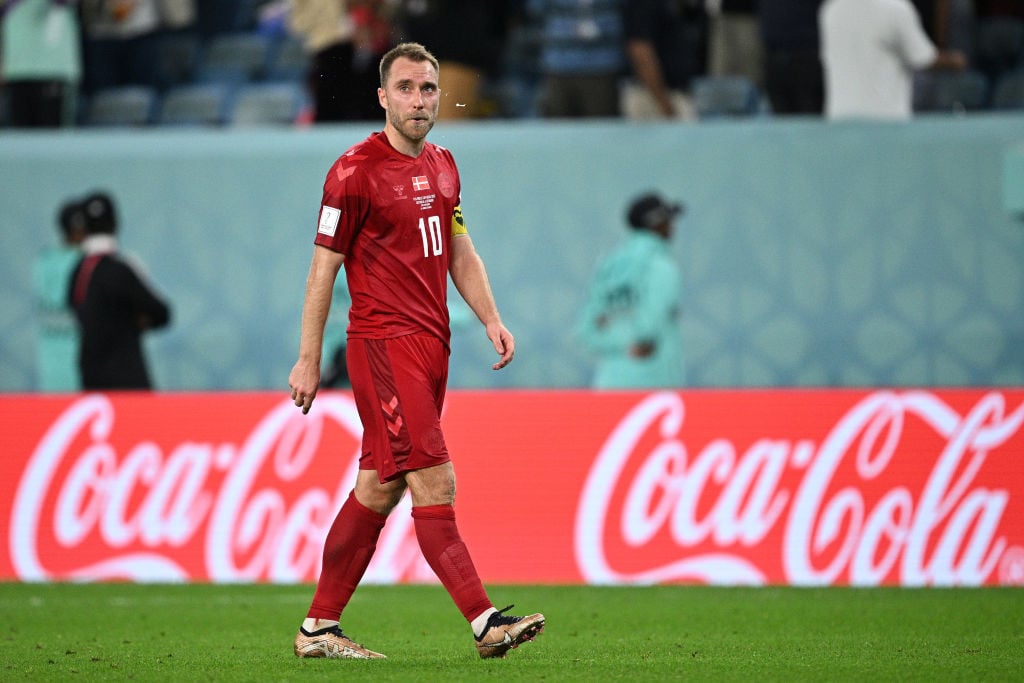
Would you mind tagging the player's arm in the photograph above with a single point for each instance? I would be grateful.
(470, 278)
(304, 379)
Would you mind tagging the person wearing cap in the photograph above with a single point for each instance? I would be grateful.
(630, 320)
(114, 305)
(57, 340)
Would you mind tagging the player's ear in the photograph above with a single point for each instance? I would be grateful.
(382, 97)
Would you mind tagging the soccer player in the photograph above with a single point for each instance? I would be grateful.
(391, 214)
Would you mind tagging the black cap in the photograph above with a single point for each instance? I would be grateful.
(650, 210)
(100, 215)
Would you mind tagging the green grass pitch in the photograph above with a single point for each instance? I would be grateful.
(121, 631)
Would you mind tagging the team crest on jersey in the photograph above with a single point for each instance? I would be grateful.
(446, 185)
(420, 183)
(399, 191)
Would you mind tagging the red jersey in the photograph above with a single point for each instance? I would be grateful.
(393, 216)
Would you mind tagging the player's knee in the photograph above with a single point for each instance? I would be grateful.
(382, 499)
(432, 485)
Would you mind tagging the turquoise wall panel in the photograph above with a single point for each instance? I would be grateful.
(815, 254)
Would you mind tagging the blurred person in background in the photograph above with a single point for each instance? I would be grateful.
(468, 39)
(40, 61)
(391, 215)
(871, 49)
(374, 24)
(792, 67)
(122, 40)
(114, 304)
(734, 40)
(121, 43)
(343, 39)
(57, 344)
(666, 47)
(630, 319)
(582, 57)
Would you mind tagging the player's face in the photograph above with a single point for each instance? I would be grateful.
(411, 98)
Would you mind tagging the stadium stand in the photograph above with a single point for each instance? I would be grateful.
(238, 43)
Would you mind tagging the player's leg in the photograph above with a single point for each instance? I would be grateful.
(420, 375)
(348, 549)
(433, 512)
(351, 542)
(352, 538)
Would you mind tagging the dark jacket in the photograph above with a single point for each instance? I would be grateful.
(114, 307)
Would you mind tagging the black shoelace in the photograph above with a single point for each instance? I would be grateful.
(499, 618)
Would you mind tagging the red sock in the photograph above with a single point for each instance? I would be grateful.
(447, 555)
(347, 551)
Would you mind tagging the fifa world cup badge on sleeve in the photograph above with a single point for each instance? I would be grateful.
(328, 220)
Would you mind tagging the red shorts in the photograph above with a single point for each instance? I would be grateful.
(399, 386)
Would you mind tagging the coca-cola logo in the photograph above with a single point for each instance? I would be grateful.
(725, 487)
(255, 509)
(865, 505)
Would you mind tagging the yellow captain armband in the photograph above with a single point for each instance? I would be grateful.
(458, 224)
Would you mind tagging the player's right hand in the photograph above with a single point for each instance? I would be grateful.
(304, 381)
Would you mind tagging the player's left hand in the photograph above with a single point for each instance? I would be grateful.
(504, 344)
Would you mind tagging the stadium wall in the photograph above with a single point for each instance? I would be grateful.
(815, 254)
(726, 487)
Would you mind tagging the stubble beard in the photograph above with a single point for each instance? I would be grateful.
(411, 129)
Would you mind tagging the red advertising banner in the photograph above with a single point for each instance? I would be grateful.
(801, 487)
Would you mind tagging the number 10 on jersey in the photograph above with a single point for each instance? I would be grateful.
(432, 245)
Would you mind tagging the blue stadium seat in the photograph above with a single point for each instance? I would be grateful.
(288, 61)
(267, 104)
(234, 58)
(950, 91)
(194, 104)
(725, 96)
(177, 58)
(121, 106)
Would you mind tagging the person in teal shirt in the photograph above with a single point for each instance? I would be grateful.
(40, 61)
(630, 320)
(57, 343)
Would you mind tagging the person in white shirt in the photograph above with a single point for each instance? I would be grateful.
(870, 50)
